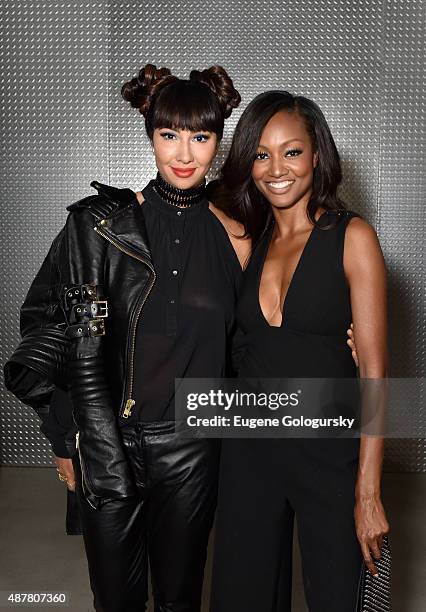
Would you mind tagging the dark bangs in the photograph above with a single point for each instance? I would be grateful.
(185, 105)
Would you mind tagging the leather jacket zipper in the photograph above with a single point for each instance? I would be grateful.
(126, 412)
(130, 402)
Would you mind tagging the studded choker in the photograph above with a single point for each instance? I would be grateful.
(183, 198)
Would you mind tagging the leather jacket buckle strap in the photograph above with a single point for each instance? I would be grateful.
(102, 308)
(91, 329)
(81, 292)
(84, 314)
(97, 309)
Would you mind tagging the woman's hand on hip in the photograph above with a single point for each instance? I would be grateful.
(371, 525)
(65, 470)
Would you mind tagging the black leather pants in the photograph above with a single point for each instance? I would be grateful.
(169, 523)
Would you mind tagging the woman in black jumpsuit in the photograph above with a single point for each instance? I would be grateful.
(293, 312)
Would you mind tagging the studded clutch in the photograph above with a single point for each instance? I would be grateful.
(374, 594)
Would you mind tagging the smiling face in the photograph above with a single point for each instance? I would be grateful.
(285, 161)
(183, 158)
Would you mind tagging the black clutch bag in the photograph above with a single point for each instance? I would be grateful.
(73, 520)
(374, 594)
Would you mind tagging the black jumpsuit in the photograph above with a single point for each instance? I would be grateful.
(264, 483)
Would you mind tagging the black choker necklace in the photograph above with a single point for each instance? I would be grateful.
(184, 198)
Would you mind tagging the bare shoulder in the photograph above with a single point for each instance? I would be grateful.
(360, 235)
(140, 197)
(231, 226)
(362, 246)
(236, 233)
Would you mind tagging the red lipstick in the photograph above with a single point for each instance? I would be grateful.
(183, 172)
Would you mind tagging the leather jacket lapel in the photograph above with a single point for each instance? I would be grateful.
(125, 227)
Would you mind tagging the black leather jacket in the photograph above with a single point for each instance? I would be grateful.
(78, 324)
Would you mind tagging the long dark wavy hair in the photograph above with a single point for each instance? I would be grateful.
(236, 193)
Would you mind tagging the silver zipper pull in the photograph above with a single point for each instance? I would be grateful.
(77, 436)
(128, 408)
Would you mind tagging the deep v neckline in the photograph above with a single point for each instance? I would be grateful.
(291, 283)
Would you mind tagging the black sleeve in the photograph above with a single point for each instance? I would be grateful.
(59, 427)
(37, 364)
(106, 471)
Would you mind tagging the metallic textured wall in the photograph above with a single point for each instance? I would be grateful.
(65, 123)
(54, 133)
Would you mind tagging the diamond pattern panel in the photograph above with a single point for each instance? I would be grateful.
(54, 134)
(64, 123)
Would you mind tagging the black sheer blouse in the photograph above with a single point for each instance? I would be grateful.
(186, 322)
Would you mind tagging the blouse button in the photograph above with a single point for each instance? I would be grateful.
(179, 212)
(177, 241)
(175, 272)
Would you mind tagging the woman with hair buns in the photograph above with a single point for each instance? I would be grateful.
(140, 290)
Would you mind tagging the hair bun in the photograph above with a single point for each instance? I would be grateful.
(220, 83)
(140, 90)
